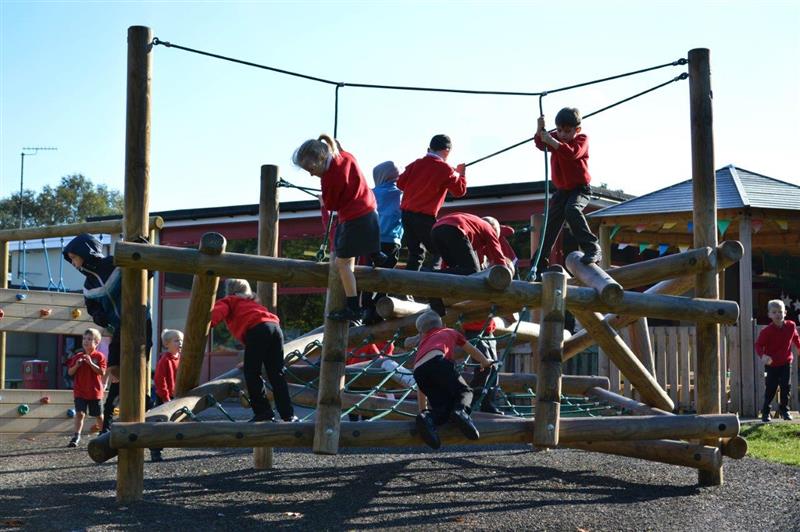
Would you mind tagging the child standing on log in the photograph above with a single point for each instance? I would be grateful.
(442, 393)
(775, 346)
(425, 183)
(387, 196)
(570, 175)
(260, 332)
(345, 191)
(87, 369)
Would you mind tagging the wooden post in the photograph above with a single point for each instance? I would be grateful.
(704, 194)
(3, 284)
(629, 365)
(331, 378)
(133, 344)
(268, 215)
(746, 340)
(198, 319)
(641, 344)
(551, 346)
(268, 230)
(604, 366)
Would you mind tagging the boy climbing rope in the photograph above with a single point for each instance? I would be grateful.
(570, 174)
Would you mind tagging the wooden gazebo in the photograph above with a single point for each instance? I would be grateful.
(761, 212)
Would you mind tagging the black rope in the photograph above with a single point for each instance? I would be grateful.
(336, 112)
(308, 190)
(677, 78)
(339, 84)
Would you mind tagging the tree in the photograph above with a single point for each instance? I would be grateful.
(72, 201)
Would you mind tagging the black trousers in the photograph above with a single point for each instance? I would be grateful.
(456, 250)
(264, 349)
(416, 233)
(567, 206)
(444, 387)
(777, 377)
(392, 252)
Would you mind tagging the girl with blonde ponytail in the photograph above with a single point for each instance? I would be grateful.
(345, 191)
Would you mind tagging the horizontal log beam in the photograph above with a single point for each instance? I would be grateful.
(665, 451)
(404, 433)
(52, 231)
(290, 272)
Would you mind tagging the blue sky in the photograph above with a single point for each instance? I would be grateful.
(62, 83)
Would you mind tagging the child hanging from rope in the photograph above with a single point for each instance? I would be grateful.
(345, 191)
(425, 183)
(260, 332)
(570, 174)
(442, 393)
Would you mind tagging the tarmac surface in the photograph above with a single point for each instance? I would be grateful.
(46, 486)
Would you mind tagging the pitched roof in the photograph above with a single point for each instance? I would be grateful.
(736, 188)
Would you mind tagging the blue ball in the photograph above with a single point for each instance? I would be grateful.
(71, 412)
(20, 297)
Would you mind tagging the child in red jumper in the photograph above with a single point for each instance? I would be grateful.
(166, 374)
(260, 332)
(425, 183)
(442, 393)
(87, 369)
(167, 367)
(774, 346)
(345, 191)
(570, 175)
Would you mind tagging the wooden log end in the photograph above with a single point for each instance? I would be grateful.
(100, 449)
(730, 252)
(735, 447)
(212, 243)
(612, 294)
(499, 277)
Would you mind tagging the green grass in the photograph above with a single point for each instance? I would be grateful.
(776, 442)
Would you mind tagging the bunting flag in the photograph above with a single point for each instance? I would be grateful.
(690, 226)
(723, 225)
(621, 246)
(783, 224)
(662, 248)
(640, 227)
(668, 225)
(643, 246)
(614, 231)
(683, 248)
(757, 225)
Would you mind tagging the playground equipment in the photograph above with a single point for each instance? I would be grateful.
(656, 435)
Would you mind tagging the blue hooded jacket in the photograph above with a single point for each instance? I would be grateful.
(388, 196)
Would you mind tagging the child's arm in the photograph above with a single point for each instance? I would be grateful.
(411, 342)
(476, 355)
(74, 367)
(95, 367)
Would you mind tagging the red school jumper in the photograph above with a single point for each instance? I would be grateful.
(345, 190)
(777, 342)
(240, 315)
(87, 384)
(442, 339)
(165, 378)
(479, 233)
(570, 162)
(426, 182)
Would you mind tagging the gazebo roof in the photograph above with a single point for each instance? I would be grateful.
(736, 188)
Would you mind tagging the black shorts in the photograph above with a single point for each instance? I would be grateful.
(93, 406)
(114, 346)
(359, 237)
